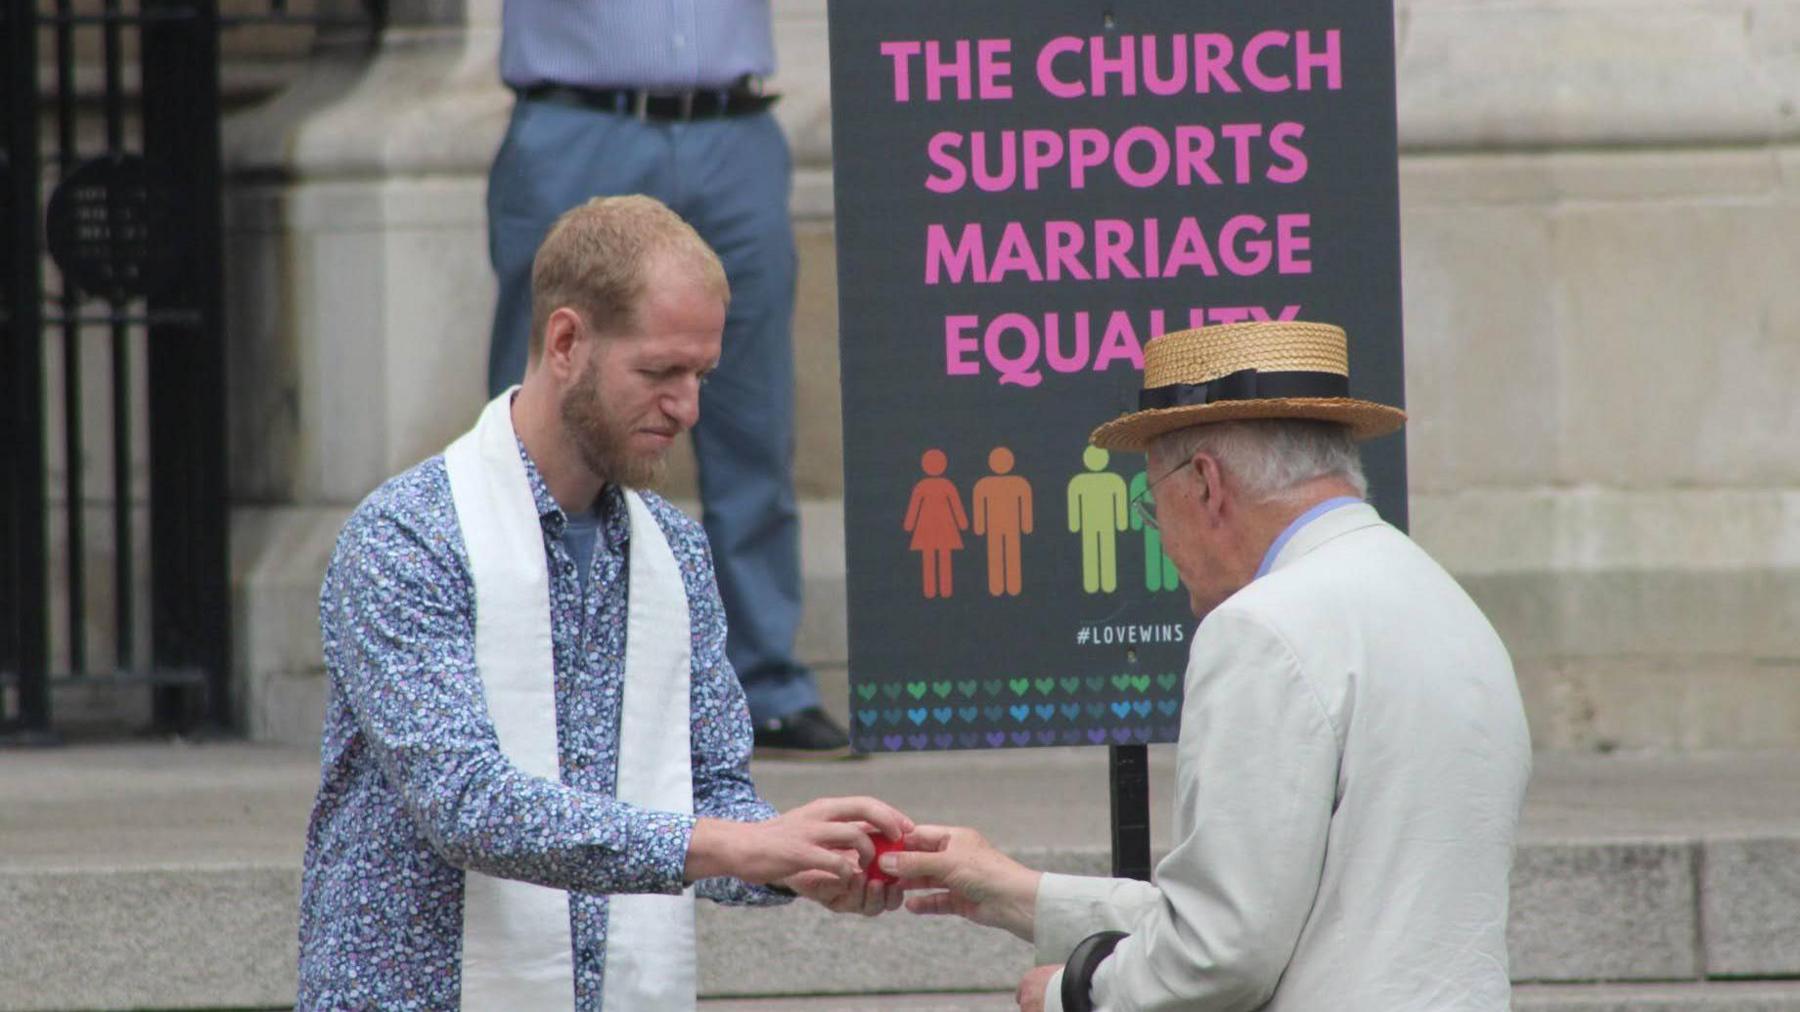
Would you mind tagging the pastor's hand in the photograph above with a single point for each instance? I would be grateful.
(857, 896)
(978, 882)
(1032, 987)
(830, 836)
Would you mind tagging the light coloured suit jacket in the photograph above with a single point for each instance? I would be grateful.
(1352, 759)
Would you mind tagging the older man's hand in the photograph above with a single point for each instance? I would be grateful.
(1032, 987)
(978, 881)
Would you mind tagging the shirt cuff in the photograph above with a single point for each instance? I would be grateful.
(773, 896)
(1069, 908)
(1053, 993)
(662, 839)
(733, 892)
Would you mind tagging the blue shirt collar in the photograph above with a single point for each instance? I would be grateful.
(1300, 521)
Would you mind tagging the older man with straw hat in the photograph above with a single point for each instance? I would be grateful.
(1353, 752)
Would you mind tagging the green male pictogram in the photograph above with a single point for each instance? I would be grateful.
(1159, 569)
(1098, 511)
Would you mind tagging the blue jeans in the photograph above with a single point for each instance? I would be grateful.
(729, 178)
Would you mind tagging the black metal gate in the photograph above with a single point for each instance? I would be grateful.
(112, 358)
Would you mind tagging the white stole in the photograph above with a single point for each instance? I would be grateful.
(517, 951)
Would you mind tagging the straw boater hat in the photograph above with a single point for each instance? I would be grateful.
(1239, 371)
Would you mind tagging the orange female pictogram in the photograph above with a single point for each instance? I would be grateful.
(1002, 505)
(936, 519)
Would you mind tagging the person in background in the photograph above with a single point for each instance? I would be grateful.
(665, 99)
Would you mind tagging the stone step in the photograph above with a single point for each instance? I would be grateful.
(1706, 997)
(167, 877)
(966, 1001)
(1709, 996)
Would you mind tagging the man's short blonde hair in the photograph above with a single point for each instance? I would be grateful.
(596, 260)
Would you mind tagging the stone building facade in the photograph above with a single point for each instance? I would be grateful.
(1600, 200)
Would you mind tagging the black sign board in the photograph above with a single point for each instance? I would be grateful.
(110, 229)
(1027, 192)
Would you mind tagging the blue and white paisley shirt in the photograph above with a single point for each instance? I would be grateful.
(414, 788)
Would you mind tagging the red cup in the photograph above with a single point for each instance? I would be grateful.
(883, 845)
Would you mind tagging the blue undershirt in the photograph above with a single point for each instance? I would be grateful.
(581, 531)
(1300, 521)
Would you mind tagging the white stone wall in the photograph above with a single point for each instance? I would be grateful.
(1603, 333)
(1602, 349)
(1598, 204)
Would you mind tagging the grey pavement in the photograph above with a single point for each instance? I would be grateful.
(152, 805)
(965, 1001)
(166, 876)
(1712, 997)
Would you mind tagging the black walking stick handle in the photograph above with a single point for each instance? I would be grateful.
(1078, 974)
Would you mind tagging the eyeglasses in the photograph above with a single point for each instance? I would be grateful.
(1144, 504)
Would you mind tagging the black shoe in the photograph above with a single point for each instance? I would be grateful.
(808, 734)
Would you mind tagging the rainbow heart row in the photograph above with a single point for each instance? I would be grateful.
(1017, 688)
(944, 741)
(1017, 713)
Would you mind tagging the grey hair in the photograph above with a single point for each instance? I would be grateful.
(1268, 457)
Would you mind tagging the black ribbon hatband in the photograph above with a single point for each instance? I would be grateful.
(1246, 385)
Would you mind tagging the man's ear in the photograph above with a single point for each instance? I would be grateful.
(563, 333)
(1212, 484)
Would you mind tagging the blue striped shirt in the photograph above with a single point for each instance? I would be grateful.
(651, 44)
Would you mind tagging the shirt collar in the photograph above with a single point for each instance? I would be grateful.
(549, 513)
(615, 523)
(615, 520)
(1300, 521)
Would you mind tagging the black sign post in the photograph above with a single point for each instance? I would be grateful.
(1027, 193)
(1129, 766)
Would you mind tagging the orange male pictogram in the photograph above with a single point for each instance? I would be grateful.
(1002, 506)
(936, 519)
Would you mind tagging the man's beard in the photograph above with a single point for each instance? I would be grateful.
(603, 445)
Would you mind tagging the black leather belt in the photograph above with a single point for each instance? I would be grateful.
(739, 99)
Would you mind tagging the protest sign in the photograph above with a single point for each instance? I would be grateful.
(1026, 194)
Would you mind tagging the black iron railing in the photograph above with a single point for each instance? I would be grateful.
(111, 336)
(25, 702)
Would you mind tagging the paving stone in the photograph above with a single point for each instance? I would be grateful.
(1750, 906)
(1617, 911)
(1695, 997)
(994, 1001)
(803, 948)
(1709, 997)
(181, 938)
